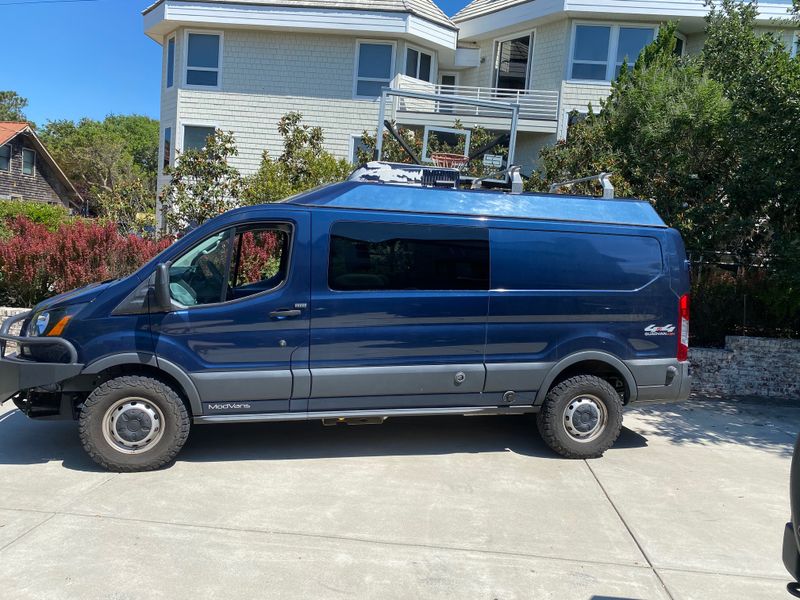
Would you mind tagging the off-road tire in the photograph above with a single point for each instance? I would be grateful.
(176, 424)
(550, 419)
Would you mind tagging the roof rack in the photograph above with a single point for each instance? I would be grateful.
(603, 178)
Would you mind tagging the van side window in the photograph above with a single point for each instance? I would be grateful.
(389, 256)
(553, 260)
(232, 264)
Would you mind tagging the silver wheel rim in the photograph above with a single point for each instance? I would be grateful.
(133, 425)
(585, 418)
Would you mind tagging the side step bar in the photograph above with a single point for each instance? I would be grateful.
(364, 414)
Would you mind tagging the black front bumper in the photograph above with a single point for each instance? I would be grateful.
(18, 373)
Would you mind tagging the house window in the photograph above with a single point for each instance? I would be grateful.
(28, 161)
(5, 157)
(680, 45)
(357, 144)
(170, 62)
(203, 59)
(599, 50)
(389, 256)
(195, 138)
(167, 146)
(457, 141)
(511, 63)
(374, 66)
(419, 64)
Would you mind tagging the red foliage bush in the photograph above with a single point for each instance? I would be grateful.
(36, 263)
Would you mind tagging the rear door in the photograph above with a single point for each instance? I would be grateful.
(241, 324)
(400, 311)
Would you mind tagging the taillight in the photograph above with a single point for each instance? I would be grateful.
(683, 328)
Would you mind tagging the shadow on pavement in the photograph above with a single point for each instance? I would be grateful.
(23, 441)
(765, 424)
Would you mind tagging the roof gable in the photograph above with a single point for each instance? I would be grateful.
(478, 8)
(426, 9)
(11, 130)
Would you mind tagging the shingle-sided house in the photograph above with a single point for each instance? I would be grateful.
(239, 65)
(28, 172)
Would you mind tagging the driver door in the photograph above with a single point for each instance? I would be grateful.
(240, 327)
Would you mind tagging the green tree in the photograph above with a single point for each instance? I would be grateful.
(107, 159)
(303, 164)
(12, 106)
(203, 183)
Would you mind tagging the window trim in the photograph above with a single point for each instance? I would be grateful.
(429, 128)
(496, 54)
(485, 230)
(234, 227)
(682, 37)
(353, 138)
(32, 151)
(170, 66)
(10, 156)
(185, 124)
(164, 160)
(356, 78)
(793, 51)
(420, 51)
(186, 67)
(613, 46)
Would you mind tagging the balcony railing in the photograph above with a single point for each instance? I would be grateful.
(539, 105)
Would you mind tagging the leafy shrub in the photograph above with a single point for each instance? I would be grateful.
(49, 215)
(36, 263)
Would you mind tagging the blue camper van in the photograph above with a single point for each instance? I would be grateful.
(365, 300)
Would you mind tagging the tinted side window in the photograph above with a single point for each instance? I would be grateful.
(551, 260)
(387, 256)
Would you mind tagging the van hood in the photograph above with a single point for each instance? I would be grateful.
(81, 295)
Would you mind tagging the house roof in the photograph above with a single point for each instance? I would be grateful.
(10, 130)
(478, 8)
(426, 9)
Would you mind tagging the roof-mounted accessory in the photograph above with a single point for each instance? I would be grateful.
(404, 174)
(603, 178)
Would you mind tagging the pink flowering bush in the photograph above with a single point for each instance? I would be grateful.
(36, 263)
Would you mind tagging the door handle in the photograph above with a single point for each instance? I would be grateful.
(285, 313)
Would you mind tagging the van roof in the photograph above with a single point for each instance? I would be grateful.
(480, 203)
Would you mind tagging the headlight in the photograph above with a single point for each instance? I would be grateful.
(52, 322)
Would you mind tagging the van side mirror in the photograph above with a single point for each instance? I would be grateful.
(161, 288)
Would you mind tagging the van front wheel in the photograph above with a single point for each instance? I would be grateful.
(581, 417)
(133, 423)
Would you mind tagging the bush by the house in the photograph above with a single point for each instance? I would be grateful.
(49, 215)
(37, 262)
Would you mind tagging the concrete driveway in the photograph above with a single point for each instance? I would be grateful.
(690, 504)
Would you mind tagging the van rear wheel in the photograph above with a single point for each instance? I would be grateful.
(581, 417)
(133, 423)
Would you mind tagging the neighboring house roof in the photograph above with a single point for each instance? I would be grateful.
(478, 8)
(426, 9)
(10, 130)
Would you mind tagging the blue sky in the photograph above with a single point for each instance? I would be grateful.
(74, 59)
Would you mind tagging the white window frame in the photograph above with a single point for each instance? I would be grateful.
(682, 37)
(24, 150)
(795, 41)
(184, 125)
(353, 138)
(507, 38)
(162, 158)
(356, 78)
(174, 41)
(420, 51)
(10, 156)
(435, 128)
(613, 45)
(187, 68)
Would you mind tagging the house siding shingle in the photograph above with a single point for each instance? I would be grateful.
(261, 84)
(43, 186)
